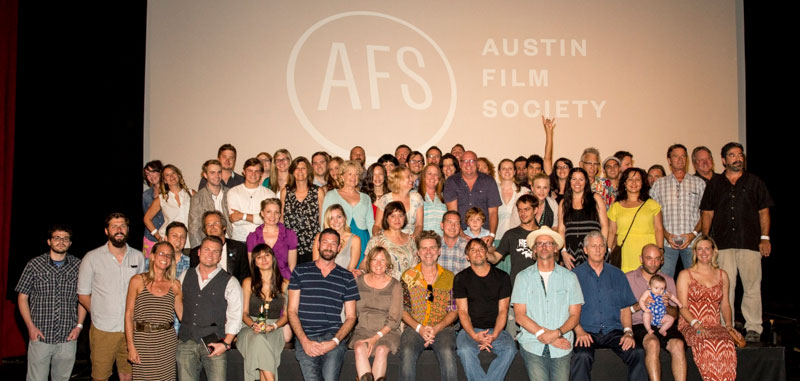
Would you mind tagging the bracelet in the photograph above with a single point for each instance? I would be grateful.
(418, 327)
(766, 237)
(274, 325)
(335, 340)
(633, 311)
(628, 330)
(695, 233)
(379, 333)
(154, 232)
(79, 325)
(539, 333)
(693, 321)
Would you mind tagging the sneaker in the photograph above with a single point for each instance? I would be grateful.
(752, 337)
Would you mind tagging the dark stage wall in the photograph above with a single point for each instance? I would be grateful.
(78, 146)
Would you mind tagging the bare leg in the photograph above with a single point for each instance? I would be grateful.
(652, 349)
(362, 359)
(678, 354)
(125, 377)
(666, 322)
(287, 333)
(379, 363)
(266, 376)
(647, 319)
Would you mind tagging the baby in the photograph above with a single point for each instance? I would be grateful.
(475, 218)
(654, 314)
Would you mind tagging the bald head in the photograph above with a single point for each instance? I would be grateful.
(469, 164)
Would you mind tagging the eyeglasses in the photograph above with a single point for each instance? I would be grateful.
(545, 244)
(430, 293)
(215, 223)
(60, 239)
(468, 161)
(164, 254)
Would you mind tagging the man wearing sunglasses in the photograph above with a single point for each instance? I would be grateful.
(429, 311)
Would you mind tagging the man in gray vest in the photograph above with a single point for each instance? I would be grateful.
(212, 315)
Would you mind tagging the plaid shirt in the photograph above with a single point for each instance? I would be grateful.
(52, 295)
(180, 267)
(455, 258)
(680, 202)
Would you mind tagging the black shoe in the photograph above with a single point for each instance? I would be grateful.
(752, 337)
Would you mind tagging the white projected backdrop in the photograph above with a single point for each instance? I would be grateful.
(327, 75)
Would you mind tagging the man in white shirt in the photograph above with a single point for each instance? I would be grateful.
(102, 289)
(212, 315)
(244, 201)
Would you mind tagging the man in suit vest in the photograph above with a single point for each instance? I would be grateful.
(212, 315)
(234, 254)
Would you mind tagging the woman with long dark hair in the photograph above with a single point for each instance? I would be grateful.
(264, 316)
(401, 246)
(375, 184)
(634, 218)
(449, 165)
(580, 212)
(151, 173)
(559, 178)
(302, 206)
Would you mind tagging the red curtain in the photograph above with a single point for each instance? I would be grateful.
(13, 342)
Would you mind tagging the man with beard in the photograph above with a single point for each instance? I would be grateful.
(212, 302)
(639, 279)
(401, 153)
(521, 170)
(611, 167)
(212, 197)
(234, 254)
(102, 289)
(482, 293)
(515, 243)
(318, 292)
(48, 303)
(547, 299)
(679, 195)
(735, 209)
(433, 155)
(226, 154)
(415, 163)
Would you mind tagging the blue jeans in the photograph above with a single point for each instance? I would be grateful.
(444, 346)
(671, 259)
(468, 351)
(53, 359)
(192, 355)
(582, 357)
(544, 367)
(325, 367)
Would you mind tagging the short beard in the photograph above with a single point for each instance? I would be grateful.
(328, 254)
(118, 243)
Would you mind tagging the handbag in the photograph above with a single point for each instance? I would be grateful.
(615, 257)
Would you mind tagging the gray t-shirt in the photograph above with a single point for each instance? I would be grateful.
(106, 280)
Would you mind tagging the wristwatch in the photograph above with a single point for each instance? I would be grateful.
(227, 346)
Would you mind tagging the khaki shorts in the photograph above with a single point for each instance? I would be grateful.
(107, 347)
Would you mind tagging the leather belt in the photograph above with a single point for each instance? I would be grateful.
(153, 327)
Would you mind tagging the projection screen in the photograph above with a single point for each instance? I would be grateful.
(328, 75)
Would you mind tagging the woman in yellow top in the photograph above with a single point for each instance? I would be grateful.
(634, 196)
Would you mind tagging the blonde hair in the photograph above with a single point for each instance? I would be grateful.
(714, 249)
(164, 190)
(326, 220)
(394, 177)
(474, 212)
(343, 167)
(375, 251)
(273, 169)
(150, 275)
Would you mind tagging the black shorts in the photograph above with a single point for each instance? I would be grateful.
(639, 332)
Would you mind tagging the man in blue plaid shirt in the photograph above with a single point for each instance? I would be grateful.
(48, 303)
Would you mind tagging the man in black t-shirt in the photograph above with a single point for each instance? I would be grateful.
(515, 244)
(482, 294)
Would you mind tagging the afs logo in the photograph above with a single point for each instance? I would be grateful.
(364, 77)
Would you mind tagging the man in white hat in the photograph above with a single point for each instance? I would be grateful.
(547, 301)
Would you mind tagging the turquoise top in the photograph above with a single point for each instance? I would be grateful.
(361, 214)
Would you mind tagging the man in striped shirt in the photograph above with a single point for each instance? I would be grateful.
(318, 292)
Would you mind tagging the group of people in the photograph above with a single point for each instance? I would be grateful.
(404, 255)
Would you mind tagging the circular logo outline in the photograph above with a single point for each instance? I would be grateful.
(295, 101)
